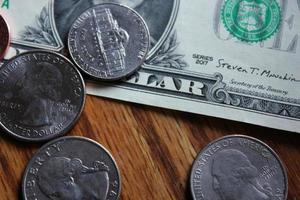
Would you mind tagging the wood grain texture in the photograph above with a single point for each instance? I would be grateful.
(154, 148)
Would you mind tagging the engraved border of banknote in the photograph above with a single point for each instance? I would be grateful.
(215, 92)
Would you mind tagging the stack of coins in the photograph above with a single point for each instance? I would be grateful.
(42, 95)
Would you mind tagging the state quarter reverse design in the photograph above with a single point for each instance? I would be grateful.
(42, 95)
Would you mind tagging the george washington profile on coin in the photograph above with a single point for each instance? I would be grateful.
(62, 178)
(72, 168)
(235, 177)
(238, 167)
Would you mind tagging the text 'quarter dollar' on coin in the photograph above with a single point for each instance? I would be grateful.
(72, 168)
(42, 95)
(109, 41)
(238, 168)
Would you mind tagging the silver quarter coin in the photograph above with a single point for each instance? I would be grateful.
(72, 168)
(109, 41)
(42, 95)
(238, 168)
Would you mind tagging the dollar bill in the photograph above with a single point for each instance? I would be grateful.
(233, 59)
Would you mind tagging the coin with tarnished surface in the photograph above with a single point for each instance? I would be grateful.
(238, 168)
(109, 41)
(4, 36)
(42, 95)
(72, 168)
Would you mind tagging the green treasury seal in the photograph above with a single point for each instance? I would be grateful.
(251, 20)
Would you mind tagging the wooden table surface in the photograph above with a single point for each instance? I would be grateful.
(154, 148)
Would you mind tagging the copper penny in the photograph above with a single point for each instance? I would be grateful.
(4, 36)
